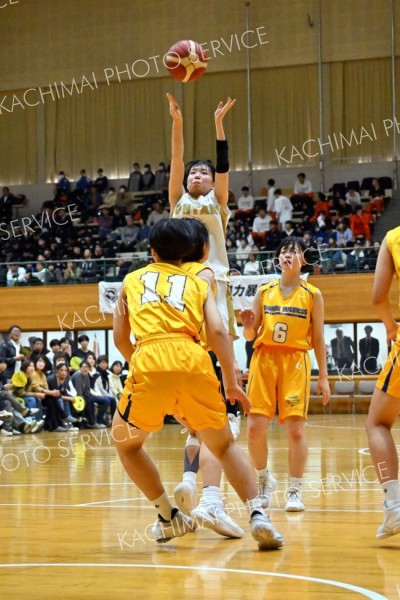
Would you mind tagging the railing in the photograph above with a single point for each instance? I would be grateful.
(318, 260)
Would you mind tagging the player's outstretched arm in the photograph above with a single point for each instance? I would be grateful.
(175, 187)
(251, 318)
(384, 272)
(317, 324)
(222, 168)
(219, 341)
(122, 328)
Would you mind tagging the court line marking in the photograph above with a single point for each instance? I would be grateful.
(347, 586)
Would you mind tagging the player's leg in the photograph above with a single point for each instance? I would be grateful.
(298, 452)
(211, 509)
(257, 426)
(144, 473)
(383, 412)
(240, 475)
(185, 493)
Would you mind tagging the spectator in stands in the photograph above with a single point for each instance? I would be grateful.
(118, 219)
(144, 235)
(359, 224)
(59, 402)
(161, 177)
(375, 205)
(104, 382)
(369, 263)
(129, 235)
(16, 275)
(6, 203)
(104, 220)
(101, 182)
(122, 268)
(41, 272)
(342, 349)
(27, 392)
(302, 194)
(283, 208)
(81, 382)
(273, 236)
(343, 208)
(355, 259)
(63, 187)
(114, 377)
(135, 182)
(288, 229)
(321, 206)
(71, 273)
(376, 191)
(353, 198)
(157, 214)
(84, 182)
(369, 352)
(343, 232)
(245, 205)
(244, 249)
(97, 391)
(66, 349)
(331, 256)
(11, 351)
(260, 226)
(55, 348)
(271, 195)
(88, 267)
(148, 178)
(83, 351)
(38, 349)
(252, 266)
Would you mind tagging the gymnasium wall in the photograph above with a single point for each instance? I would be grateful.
(111, 123)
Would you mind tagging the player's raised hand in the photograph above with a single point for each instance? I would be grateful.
(174, 109)
(324, 389)
(222, 109)
(247, 317)
(234, 393)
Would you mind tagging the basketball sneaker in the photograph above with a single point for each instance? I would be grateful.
(234, 424)
(266, 487)
(293, 500)
(391, 521)
(164, 531)
(213, 516)
(185, 496)
(264, 533)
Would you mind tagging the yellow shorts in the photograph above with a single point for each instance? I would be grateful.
(172, 375)
(223, 298)
(279, 378)
(389, 377)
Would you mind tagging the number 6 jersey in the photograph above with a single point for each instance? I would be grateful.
(164, 299)
(286, 321)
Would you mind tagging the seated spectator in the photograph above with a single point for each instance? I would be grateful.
(245, 205)
(7, 201)
(244, 249)
(343, 209)
(114, 377)
(144, 235)
(118, 220)
(55, 348)
(54, 274)
(129, 235)
(41, 272)
(101, 182)
(332, 255)
(288, 229)
(135, 182)
(38, 349)
(104, 383)
(375, 205)
(271, 196)
(359, 224)
(104, 221)
(109, 199)
(83, 351)
(97, 391)
(161, 177)
(88, 267)
(81, 382)
(343, 232)
(122, 268)
(252, 266)
(16, 275)
(148, 178)
(72, 273)
(28, 395)
(60, 395)
(21, 421)
(157, 214)
(369, 262)
(273, 236)
(260, 226)
(283, 208)
(376, 191)
(302, 194)
(353, 198)
(321, 206)
(356, 258)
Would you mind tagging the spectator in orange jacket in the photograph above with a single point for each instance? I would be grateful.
(359, 223)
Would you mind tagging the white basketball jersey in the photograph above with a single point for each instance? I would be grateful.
(215, 217)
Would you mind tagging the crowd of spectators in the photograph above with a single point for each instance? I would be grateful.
(39, 386)
(108, 224)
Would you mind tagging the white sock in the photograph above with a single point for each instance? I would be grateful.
(254, 504)
(189, 476)
(295, 482)
(262, 473)
(163, 506)
(211, 494)
(391, 490)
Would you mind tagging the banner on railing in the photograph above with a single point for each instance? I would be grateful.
(244, 288)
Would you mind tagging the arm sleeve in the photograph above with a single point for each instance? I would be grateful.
(222, 165)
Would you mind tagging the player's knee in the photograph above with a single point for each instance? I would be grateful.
(255, 428)
(296, 432)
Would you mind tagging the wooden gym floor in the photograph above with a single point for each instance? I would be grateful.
(73, 526)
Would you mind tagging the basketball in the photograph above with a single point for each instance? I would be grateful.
(186, 61)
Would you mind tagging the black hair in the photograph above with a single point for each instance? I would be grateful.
(25, 364)
(116, 362)
(64, 339)
(196, 163)
(39, 357)
(278, 192)
(13, 327)
(200, 239)
(271, 182)
(301, 175)
(291, 242)
(172, 239)
(3, 359)
(84, 364)
(83, 338)
(101, 358)
(245, 188)
(60, 366)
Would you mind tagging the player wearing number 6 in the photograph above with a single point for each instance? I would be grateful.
(287, 320)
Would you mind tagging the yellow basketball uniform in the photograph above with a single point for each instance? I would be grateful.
(389, 377)
(280, 367)
(169, 373)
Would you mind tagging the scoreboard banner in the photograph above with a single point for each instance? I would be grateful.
(243, 288)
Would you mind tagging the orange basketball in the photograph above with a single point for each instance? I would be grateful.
(186, 61)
